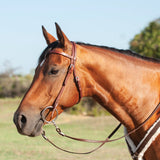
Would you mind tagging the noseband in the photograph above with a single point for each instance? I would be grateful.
(71, 70)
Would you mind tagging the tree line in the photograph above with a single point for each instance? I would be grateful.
(147, 42)
(14, 85)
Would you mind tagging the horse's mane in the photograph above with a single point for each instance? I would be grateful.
(127, 52)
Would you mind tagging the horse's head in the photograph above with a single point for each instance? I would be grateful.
(47, 82)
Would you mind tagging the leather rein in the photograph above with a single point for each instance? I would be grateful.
(71, 70)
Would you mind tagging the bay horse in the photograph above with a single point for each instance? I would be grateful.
(124, 83)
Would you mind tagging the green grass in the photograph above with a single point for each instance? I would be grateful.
(17, 147)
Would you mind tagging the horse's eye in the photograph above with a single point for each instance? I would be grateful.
(53, 71)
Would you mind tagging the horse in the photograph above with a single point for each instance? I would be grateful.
(125, 83)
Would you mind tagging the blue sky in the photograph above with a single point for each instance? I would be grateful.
(102, 22)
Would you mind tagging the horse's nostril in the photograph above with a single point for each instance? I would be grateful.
(23, 119)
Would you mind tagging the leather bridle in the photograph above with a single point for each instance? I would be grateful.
(71, 70)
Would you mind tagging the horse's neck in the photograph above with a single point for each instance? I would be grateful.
(126, 86)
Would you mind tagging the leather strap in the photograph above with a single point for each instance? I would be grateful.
(82, 140)
(97, 141)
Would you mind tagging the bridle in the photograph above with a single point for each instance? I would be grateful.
(71, 70)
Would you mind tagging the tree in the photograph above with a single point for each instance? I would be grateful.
(147, 42)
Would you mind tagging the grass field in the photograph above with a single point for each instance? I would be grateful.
(17, 147)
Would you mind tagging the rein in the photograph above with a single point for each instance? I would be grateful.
(71, 69)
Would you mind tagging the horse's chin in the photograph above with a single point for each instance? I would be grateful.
(37, 130)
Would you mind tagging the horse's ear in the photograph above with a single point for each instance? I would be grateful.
(61, 36)
(48, 37)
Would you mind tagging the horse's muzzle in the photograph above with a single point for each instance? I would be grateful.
(27, 124)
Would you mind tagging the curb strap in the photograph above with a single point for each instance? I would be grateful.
(76, 78)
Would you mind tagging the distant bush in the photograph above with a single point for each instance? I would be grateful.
(14, 86)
